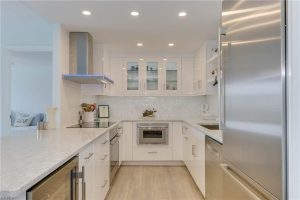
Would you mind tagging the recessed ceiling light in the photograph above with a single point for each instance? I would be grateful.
(141, 59)
(171, 44)
(139, 44)
(165, 59)
(182, 14)
(86, 12)
(135, 13)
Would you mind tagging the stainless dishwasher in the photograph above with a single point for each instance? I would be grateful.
(221, 183)
(62, 184)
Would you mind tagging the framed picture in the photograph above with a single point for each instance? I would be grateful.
(103, 111)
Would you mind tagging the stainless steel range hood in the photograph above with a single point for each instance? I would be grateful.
(81, 61)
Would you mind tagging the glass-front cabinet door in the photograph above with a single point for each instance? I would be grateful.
(152, 76)
(171, 76)
(132, 76)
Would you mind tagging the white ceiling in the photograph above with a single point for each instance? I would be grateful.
(158, 24)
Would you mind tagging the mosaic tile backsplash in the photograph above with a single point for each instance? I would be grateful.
(167, 107)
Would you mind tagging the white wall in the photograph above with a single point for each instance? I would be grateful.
(212, 101)
(21, 28)
(293, 91)
(66, 94)
(167, 107)
(31, 81)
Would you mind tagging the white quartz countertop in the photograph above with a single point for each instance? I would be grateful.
(29, 156)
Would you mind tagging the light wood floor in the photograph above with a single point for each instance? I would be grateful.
(153, 183)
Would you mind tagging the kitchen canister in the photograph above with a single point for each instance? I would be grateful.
(51, 117)
(89, 116)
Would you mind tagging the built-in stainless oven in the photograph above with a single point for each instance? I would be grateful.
(152, 133)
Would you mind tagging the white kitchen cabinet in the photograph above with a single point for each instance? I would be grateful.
(198, 159)
(194, 154)
(205, 69)
(95, 160)
(102, 167)
(200, 71)
(187, 76)
(171, 76)
(177, 141)
(117, 70)
(132, 77)
(151, 76)
(142, 77)
(155, 76)
(86, 164)
(152, 153)
(126, 142)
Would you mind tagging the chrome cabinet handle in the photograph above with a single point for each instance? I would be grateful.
(105, 182)
(152, 152)
(83, 186)
(194, 147)
(105, 156)
(105, 142)
(89, 156)
(80, 175)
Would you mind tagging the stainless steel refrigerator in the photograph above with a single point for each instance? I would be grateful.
(252, 94)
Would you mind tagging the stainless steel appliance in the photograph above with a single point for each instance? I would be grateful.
(114, 152)
(61, 184)
(81, 61)
(222, 183)
(252, 91)
(152, 133)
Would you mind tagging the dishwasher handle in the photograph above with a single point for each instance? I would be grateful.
(80, 175)
(213, 150)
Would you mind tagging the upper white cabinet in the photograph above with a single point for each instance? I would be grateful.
(171, 76)
(132, 77)
(206, 69)
(187, 76)
(153, 76)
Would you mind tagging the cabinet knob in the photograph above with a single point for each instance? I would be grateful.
(152, 152)
(105, 142)
(89, 156)
(105, 182)
(105, 156)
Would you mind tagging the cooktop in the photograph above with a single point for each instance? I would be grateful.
(100, 124)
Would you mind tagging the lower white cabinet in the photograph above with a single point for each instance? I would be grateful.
(194, 154)
(126, 142)
(152, 154)
(95, 160)
(177, 141)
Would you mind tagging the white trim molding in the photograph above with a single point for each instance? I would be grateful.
(293, 101)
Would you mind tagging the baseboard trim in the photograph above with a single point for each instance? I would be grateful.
(153, 163)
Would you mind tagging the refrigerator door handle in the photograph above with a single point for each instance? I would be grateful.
(254, 189)
(221, 98)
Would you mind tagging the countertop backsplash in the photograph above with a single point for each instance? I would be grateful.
(167, 107)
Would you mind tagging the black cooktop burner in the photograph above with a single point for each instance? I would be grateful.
(100, 124)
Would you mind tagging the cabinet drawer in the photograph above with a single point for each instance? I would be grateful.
(152, 154)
